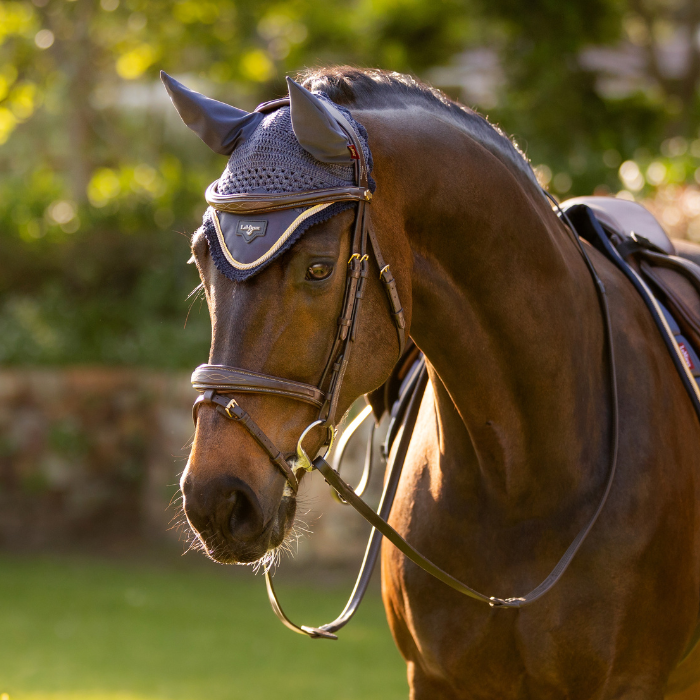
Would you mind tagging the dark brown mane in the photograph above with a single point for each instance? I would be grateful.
(375, 88)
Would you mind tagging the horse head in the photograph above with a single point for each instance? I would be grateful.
(283, 287)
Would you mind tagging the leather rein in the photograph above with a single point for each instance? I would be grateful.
(213, 381)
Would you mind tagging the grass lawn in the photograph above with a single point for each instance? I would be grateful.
(89, 630)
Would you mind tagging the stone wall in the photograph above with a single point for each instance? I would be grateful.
(91, 458)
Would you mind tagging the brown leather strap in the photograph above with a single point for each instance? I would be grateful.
(357, 272)
(230, 409)
(390, 288)
(687, 268)
(259, 203)
(347, 494)
(231, 379)
(378, 520)
(680, 296)
(407, 406)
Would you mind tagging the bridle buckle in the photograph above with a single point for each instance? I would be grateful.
(231, 404)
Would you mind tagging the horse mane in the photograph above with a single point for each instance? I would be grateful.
(375, 88)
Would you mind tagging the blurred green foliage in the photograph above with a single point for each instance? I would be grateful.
(100, 177)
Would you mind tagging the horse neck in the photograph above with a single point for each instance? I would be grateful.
(507, 315)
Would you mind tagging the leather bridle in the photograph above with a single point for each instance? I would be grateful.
(215, 380)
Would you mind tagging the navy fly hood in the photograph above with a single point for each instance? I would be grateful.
(296, 146)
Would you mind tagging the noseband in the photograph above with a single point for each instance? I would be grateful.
(215, 380)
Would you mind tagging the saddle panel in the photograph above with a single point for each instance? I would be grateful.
(626, 218)
(677, 281)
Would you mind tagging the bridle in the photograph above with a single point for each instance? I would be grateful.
(215, 380)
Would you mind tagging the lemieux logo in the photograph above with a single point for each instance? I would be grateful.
(250, 230)
(686, 356)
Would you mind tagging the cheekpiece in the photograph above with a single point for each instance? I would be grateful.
(273, 190)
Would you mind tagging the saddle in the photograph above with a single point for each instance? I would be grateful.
(666, 273)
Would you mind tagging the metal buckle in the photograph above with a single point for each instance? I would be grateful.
(360, 259)
(228, 407)
(303, 461)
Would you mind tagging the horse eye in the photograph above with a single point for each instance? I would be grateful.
(319, 271)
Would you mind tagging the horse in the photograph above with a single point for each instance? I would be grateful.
(511, 447)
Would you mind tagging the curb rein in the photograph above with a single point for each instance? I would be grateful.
(215, 380)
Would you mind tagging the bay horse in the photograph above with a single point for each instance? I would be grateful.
(510, 451)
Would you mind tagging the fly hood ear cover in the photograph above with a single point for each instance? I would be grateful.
(273, 161)
(219, 125)
(316, 130)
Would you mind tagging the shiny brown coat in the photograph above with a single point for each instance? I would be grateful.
(510, 452)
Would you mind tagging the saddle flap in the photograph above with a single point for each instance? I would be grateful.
(625, 218)
(678, 282)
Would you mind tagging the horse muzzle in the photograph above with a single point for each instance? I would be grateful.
(228, 518)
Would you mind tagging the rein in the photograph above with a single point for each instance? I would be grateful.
(215, 380)
(378, 520)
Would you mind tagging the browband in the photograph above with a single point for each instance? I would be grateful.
(259, 203)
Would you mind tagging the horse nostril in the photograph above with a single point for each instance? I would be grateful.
(224, 506)
(246, 520)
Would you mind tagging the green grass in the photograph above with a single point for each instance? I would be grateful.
(88, 630)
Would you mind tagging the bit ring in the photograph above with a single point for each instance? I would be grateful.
(302, 457)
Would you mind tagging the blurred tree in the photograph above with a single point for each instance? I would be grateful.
(99, 172)
(586, 79)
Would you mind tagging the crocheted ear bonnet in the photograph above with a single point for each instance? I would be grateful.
(267, 158)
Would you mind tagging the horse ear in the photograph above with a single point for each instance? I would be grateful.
(219, 125)
(315, 128)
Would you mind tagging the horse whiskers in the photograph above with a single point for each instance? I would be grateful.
(216, 545)
(196, 293)
(289, 547)
(181, 525)
(176, 501)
